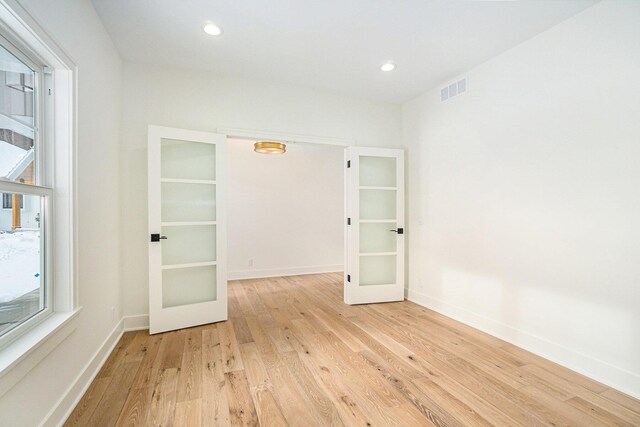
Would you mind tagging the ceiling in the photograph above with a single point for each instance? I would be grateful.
(337, 45)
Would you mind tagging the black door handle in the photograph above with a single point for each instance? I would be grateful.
(399, 230)
(157, 237)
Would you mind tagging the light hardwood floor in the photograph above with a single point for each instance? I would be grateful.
(293, 354)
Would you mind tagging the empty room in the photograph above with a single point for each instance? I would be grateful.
(319, 213)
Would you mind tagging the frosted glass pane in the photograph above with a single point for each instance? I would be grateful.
(188, 202)
(184, 286)
(185, 244)
(377, 270)
(378, 204)
(377, 171)
(377, 238)
(188, 160)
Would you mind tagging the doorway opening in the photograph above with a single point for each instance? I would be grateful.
(316, 209)
(286, 211)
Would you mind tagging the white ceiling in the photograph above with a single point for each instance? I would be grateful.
(337, 45)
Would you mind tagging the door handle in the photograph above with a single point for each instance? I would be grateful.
(157, 237)
(399, 230)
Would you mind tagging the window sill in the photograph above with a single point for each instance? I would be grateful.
(23, 354)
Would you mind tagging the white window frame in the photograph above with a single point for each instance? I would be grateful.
(57, 139)
(43, 185)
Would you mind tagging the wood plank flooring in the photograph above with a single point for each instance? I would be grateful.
(292, 354)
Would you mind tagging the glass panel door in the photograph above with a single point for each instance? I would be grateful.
(188, 214)
(378, 194)
(186, 248)
(374, 253)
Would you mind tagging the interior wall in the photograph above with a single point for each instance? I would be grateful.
(524, 199)
(79, 32)
(204, 101)
(285, 211)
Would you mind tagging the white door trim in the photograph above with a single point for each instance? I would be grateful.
(285, 137)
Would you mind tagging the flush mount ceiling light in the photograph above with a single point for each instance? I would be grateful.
(212, 29)
(268, 147)
(388, 66)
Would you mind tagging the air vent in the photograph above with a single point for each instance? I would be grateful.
(453, 89)
(444, 93)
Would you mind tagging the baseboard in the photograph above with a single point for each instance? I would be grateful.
(136, 323)
(610, 375)
(63, 408)
(289, 271)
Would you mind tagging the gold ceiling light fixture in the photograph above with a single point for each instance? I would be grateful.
(269, 147)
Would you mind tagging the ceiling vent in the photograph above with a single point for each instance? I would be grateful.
(454, 89)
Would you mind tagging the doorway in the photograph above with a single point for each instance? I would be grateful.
(285, 211)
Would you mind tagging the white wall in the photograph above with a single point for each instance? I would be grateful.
(204, 101)
(525, 196)
(286, 212)
(78, 30)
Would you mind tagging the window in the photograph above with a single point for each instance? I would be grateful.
(7, 200)
(26, 186)
(38, 119)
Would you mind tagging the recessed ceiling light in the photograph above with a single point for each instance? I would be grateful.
(212, 29)
(388, 66)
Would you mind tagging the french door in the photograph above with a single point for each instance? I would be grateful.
(187, 227)
(374, 236)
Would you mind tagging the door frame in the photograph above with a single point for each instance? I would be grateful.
(284, 137)
(346, 143)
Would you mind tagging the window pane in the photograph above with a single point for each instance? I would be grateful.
(377, 171)
(16, 119)
(378, 270)
(185, 286)
(21, 265)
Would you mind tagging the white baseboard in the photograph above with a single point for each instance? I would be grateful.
(289, 271)
(63, 408)
(620, 379)
(136, 323)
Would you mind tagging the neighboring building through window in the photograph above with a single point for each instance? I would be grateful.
(7, 200)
